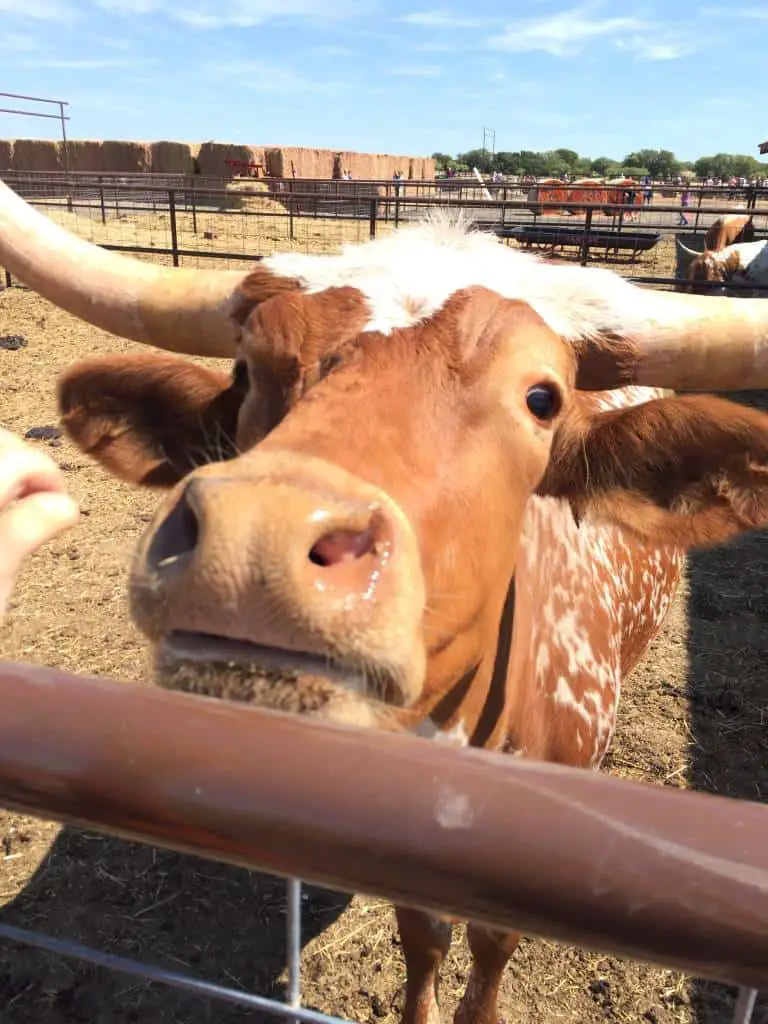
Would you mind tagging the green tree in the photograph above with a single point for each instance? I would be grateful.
(482, 159)
(569, 158)
(660, 162)
(506, 162)
(634, 172)
(603, 166)
(443, 161)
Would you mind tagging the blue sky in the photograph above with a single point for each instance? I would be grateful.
(600, 76)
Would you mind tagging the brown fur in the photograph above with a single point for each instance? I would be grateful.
(729, 231)
(430, 428)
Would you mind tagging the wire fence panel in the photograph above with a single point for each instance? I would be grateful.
(208, 223)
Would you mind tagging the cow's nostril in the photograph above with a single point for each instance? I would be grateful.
(342, 546)
(175, 537)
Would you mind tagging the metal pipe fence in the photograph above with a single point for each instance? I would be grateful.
(193, 221)
(668, 876)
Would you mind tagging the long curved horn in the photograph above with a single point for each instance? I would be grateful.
(685, 342)
(684, 248)
(182, 310)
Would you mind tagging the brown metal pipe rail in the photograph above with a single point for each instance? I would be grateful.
(633, 869)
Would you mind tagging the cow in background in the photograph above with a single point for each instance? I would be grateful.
(729, 230)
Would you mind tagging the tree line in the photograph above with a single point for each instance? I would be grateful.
(659, 163)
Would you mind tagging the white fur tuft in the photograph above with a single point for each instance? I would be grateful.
(410, 274)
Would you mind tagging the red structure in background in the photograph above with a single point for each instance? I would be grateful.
(590, 191)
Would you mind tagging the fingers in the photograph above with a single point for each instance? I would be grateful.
(34, 507)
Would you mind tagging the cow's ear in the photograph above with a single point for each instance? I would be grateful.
(150, 419)
(691, 471)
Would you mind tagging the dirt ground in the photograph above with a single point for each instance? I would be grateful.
(692, 716)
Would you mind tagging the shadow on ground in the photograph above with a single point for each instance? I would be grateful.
(119, 896)
(728, 691)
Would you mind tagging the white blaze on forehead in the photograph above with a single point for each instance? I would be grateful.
(409, 275)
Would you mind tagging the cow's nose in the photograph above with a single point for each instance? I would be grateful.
(323, 566)
(331, 544)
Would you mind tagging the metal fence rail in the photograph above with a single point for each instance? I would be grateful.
(665, 875)
(196, 221)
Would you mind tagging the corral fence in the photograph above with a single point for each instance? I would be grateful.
(188, 219)
(666, 876)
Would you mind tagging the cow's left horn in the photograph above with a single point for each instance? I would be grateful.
(688, 342)
(182, 310)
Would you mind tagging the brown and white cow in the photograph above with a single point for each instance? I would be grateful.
(729, 230)
(408, 505)
(745, 265)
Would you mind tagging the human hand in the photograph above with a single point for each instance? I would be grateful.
(34, 506)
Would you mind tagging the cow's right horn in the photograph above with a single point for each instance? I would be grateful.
(685, 249)
(179, 309)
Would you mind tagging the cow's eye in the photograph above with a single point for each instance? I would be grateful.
(543, 401)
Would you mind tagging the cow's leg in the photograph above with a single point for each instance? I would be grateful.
(490, 954)
(426, 941)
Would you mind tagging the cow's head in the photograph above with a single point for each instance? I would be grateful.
(344, 506)
(714, 266)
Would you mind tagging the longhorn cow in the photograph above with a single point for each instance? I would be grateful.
(744, 264)
(447, 490)
(729, 230)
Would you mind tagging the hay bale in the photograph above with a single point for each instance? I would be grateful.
(125, 157)
(85, 155)
(212, 158)
(36, 155)
(6, 155)
(172, 157)
(251, 195)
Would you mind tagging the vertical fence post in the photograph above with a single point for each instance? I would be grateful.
(698, 210)
(293, 942)
(290, 216)
(174, 234)
(372, 219)
(584, 253)
(194, 207)
(101, 200)
(745, 1006)
(397, 206)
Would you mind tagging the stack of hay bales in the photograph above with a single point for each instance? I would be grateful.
(6, 154)
(36, 155)
(172, 157)
(209, 159)
(126, 157)
(251, 195)
(212, 158)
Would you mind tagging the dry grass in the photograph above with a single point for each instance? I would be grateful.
(692, 715)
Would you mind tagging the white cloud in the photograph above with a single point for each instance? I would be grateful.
(39, 10)
(440, 19)
(207, 14)
(562, 34)
(82, 63)
(748, 13)
(261, 76)
(437, 47)
(18, 42)
(649, 48)
(427, 71)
